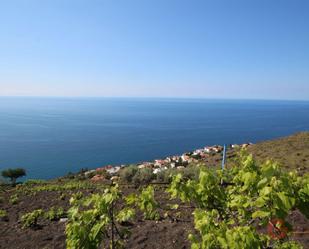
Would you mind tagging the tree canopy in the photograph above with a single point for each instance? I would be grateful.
(13, 174)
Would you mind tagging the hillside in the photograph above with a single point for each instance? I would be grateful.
(174, 224)
(291, 152)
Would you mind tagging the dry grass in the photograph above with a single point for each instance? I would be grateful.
(291, 152)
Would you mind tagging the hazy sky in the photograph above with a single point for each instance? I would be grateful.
(156, 48)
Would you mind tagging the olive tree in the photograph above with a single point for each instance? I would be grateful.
(13, 174)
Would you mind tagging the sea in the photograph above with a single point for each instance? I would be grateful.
(50, 137)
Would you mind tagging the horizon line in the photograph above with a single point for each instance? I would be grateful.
(147, 97)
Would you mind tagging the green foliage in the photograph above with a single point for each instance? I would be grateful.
(67, 185)
(13, 199)
(70, 175)
(31, 219)
(230, 201)
(32, 182)
(288, 245)
(165, 175)
(90, 219)
(76, 197)
(13, 174)
(191, 172)
(264, 192)
(143, 176)
(205, 192)
(103, 173)
(62, 196)
(173, 206)
(125, 215)
(54, 213)
(127, 173)
(215, 233)
(2, 213)
(146, 203)
(91, 174)
(303, 193)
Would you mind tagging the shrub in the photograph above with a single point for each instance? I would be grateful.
(229, 202)
(54, 213)
(90, 221)
(76, 197)
(103, 173)
(31, 182)
(166, 175)
(162, 176)
(145, 202)
(31, 219)
(125, 215)
(90, 174)
(13, 174)
(13, 199)
(70, 175)
(2, 213)
(143, 176)
(62, 196)
(191, 172)
(127, 173)
(81, 177)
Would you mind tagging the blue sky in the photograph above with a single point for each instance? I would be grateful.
(155, 48)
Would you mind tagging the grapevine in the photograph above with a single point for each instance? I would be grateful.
(92, 218)
(146, 203)
(250, 194)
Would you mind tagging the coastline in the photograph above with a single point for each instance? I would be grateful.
(294, 147)
(52, 137)
(197, 156)
(174, 225)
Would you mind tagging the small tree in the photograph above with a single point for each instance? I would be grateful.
(143, 176)
(13, 174)
(127, 173)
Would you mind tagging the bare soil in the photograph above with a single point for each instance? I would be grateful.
(169, 232)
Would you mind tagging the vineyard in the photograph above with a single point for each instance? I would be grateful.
(247, 205)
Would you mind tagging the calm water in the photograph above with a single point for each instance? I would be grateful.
(52, 136)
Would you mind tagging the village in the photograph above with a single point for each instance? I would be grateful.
(170, 162)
